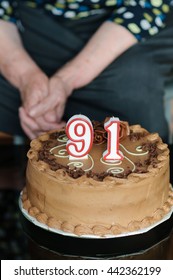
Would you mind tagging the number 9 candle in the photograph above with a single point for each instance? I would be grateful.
(80, 133)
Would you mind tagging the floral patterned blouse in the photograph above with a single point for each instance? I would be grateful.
(143, 18)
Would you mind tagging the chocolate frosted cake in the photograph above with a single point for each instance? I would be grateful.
(96, 197)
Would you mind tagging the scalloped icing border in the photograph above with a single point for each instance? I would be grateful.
(98, 230)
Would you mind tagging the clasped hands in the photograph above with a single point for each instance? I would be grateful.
(43, 102)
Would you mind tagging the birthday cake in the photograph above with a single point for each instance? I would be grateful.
(94, 196)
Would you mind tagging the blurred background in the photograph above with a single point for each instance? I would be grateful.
(13, 242)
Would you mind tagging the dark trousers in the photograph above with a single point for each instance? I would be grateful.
(131, 88)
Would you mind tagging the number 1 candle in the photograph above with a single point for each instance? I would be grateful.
(112, 126)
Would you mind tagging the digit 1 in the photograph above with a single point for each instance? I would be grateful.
(112, 153)
(79, 131)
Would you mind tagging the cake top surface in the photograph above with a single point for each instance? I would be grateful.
(143, 152)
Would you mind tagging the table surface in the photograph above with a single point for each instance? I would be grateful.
(12, 178)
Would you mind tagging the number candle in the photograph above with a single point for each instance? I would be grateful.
(112, 126)
(79, 131)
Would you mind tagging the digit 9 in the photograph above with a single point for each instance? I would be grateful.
(155, 269)
(79, 131)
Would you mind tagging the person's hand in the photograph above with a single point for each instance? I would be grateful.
(34, 90)
(54, 102)
(33, 128)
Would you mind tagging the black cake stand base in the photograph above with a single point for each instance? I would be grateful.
(68, 247)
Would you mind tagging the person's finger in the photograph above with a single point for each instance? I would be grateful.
(37, 125)
(60, 111)
(30, 127)
(50, 116)
(35, 90)
(45, 125)
(25, 128)
(32, 99)
(27, 120)
(47, 104)
(57, 96)
(28, 132)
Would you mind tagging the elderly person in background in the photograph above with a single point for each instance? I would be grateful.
(95, 57)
